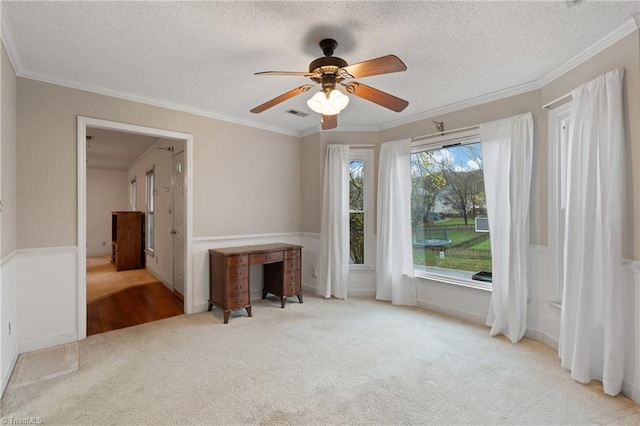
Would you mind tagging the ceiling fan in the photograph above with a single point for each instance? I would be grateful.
(330, 72)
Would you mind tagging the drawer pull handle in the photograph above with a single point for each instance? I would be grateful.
(239, 301)
(238, 287)
(239, 273)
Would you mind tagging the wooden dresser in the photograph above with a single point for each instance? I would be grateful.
(127, 245)
(229, 287)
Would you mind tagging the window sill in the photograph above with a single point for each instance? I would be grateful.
(149, 252)
(478, 285)
(361, 268)
(556, 306)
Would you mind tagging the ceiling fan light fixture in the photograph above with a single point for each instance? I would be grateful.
(328, 105)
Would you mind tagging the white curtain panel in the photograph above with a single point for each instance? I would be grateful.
(507, 147)
(394, 267)
(333, 263)
(591, 336)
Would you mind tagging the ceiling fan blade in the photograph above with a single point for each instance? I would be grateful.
(293, 73)
(275, 101)
(377, 96)
(382, 65)
(329, 121)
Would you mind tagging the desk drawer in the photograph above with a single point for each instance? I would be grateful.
(235, 274)
(292, 254)
(235, 261)
(238, 287)
(261, 258)
(291, 265)
(237, 301)
(292, 277)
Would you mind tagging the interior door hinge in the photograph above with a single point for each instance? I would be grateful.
(0, 206)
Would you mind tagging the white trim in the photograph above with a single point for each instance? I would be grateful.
(555, 247)
(556, 306)
(6, 374)
(446, 279)
(83, 123)
(311, 235)
(174, 106)
(7, 259)
(631, 391)
(47, 251)
(243, 237)
(627, 27)
(455, 313)
(366, 156)
(60, 339)
(468, 103)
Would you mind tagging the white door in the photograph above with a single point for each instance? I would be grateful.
(178, 222)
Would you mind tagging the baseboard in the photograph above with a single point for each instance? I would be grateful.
(6, 374)
(8, 257)
(550, 341)
(159, 278)
(200, 307)
(362, 293)
(47, 342)
(631, 391)
(463, 315)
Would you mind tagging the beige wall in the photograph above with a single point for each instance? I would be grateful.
(623, 54)
(8, 156)
(107, 191)
(245, 180)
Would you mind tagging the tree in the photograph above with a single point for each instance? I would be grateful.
(356, 212)
(426, 183)
(464, 187)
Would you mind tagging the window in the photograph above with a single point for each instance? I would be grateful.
(133, 195)
(360, 208)
(559, 126)
(449, 228)
(150, 210)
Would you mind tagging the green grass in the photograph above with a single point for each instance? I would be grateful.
(483, 245)
(429, 258)
(454, 221)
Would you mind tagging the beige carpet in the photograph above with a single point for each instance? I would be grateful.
(103, 280)
(321, 362)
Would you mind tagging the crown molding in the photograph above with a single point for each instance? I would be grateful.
(468, 103)
(9, 41)
(175, 106)
(627, 27)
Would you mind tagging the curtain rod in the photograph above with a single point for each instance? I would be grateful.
(370, 145)
(431, 135)
(564, 97)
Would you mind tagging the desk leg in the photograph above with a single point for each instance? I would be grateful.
(283, 301)
(300, 298)
(264, 294)
(248, 308)
(226, 317)
(210, 306)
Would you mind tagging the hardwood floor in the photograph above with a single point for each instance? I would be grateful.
(135, 305)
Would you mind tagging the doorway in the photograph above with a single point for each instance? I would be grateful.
(184, 266)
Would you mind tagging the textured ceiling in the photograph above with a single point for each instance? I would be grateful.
(203, 55)
(110, 149)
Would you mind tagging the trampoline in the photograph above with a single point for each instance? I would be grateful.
(434, 237)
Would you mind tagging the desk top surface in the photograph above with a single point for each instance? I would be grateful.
(259, 248)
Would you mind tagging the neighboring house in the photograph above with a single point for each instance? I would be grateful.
(249, 185)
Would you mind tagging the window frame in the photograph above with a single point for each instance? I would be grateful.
(556, 117)
(150, 211)
(133, 194)
(367, 157)
(465, 137)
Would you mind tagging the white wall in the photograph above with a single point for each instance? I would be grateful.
(160, 264)
(8, 222)
(107, 191)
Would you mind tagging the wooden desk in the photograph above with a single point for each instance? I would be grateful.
(229, 275)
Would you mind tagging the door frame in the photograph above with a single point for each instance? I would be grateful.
(173, 220)
(83, 123)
